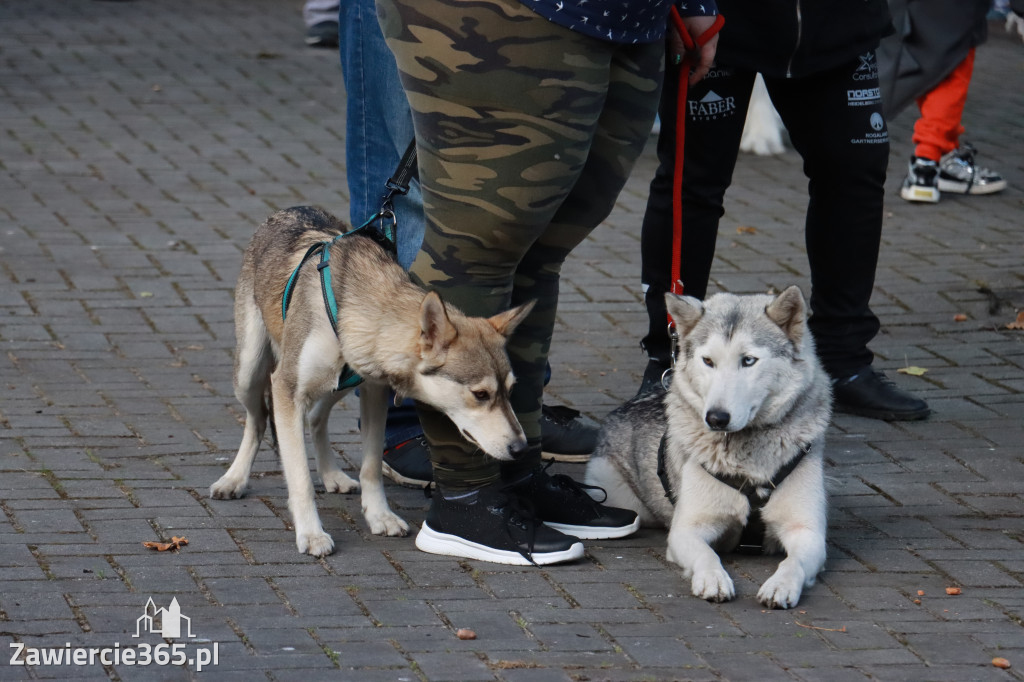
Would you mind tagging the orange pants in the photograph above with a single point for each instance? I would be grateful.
(938, 130)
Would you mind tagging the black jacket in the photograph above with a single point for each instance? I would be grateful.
(932, 37)
(795, 38)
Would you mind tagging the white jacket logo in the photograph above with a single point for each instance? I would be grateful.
(868, 68)
(711, 106)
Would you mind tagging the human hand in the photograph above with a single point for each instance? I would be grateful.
(704, 56)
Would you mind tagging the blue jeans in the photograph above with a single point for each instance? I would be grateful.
(378, 131)
(379, 125)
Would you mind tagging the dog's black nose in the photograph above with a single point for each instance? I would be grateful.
(717, 419)
(518, 449)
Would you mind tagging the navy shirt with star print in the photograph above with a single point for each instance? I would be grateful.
(618, 21)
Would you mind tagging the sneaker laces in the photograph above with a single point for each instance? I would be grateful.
(573, 486)
(519, 511)
(966, 153)
(964, 156)
(514, 510)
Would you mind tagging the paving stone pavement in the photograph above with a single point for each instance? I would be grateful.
(140, 145)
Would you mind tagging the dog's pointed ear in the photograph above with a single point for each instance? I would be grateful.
(506, 322)
(685, 311)
(789, 312)
(436, 331)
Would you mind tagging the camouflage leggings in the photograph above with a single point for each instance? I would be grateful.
(526, 133)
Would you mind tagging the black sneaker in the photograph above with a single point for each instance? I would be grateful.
(408, 463)
(922, 181)
(324, 34)
(657, 377)
(869, 393)
(566, 434)
(565, 505)
(958, 174)
(493, 525)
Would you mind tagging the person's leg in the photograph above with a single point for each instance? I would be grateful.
(378, 126)
(617, 141)
(846, 163)
(937, 132)
(501, 147)
(378, 129)
(937, 137)
(716, 109)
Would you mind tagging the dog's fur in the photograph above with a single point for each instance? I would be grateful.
(748, 393)
(762, 129)
(390, 332)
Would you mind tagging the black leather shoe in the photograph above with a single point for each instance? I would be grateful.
(656, 378)
(869, 393)
(408, 463)
(563, 504)
(566, 434)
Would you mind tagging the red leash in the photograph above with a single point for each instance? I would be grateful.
(676, 286)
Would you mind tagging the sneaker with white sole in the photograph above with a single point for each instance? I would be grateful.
(567, 435)
(567, 506)
(922, 181)
(958, 174)
(408, 463)
(491, 524)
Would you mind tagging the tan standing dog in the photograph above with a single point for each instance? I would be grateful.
(388, 331)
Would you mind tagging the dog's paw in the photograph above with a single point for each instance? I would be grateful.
(315, 544)
(386, 523)
(714, 585)
(227, 488)
(780, 592)
(338, 481)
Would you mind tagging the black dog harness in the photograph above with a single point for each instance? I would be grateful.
(752, 537)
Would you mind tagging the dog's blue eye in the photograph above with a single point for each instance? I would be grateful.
(748, 360)
(709, 362)
(482, 396)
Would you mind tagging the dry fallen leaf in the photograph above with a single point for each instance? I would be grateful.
(743, 229)
(953, 590)
(175, 543)
(1018, 323)
(913, 371)
(1000, 662)
(465, 633)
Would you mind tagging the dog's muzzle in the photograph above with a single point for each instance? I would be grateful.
(717, 420)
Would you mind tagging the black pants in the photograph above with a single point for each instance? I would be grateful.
(835, 122)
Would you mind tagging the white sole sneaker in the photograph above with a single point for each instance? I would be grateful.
(928, 195)
(430, 541)
(960, 187)
(595, 532)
